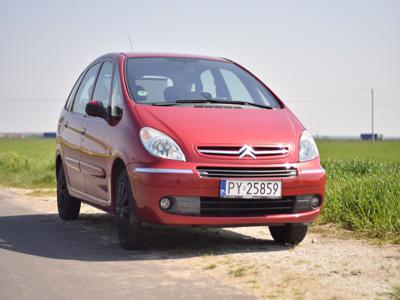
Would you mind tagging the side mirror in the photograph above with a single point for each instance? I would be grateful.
(96, 109)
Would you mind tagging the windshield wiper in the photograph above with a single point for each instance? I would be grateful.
(162, 103)
(224, 102)
(177, 102)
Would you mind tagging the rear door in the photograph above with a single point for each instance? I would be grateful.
(69, 140)
(73, 130)
(95, 151)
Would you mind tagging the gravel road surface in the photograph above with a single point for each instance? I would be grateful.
(43, 257)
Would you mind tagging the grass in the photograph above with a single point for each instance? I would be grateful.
(27, 163)
(239, 271)
(364, 196)
(395, 295)
(210, 267)
(362, 192)
(386, 151)
(363, 187)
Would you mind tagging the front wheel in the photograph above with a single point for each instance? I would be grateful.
(128, 225)
(68, 206)
(291, 234)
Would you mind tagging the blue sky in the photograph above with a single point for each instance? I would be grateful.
(321, 57)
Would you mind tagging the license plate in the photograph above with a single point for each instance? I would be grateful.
(250, 189)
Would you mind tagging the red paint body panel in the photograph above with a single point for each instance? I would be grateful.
(180, 55)
(150, 188)
(192, 127)
(89, 159)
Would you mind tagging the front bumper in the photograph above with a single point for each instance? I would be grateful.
(181, 179)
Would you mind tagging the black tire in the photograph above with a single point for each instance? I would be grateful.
(68, 206)
(129, 227)
(291, 234)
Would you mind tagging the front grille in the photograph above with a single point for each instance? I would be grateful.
(222, 172)
(210, 206)
(244, 151)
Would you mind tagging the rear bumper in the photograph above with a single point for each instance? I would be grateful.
(151, 183)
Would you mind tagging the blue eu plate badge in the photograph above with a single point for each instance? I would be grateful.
(222, 189)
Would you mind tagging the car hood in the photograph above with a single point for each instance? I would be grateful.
(192, 126)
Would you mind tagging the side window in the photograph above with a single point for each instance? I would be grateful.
(85, 90)
(102, 90)
(207, 79)
(116, 96)
(73, 93)
(236, 87)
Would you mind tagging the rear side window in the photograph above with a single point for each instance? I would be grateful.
(102, 90)
(71, 96)
(85, 90)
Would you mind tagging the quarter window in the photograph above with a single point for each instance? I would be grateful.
(103, 84)
(116, 96)
(85, 90)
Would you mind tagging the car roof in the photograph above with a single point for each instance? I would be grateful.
(175, 55)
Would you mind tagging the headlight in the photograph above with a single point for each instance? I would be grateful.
(307, 149)
(160, 144)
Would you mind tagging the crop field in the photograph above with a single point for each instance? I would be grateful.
(362, 192)
(27, 163)
(386, 151)
(363, 187)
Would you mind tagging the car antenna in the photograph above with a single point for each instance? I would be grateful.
(130, 42)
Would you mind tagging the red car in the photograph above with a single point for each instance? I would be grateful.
(185, 140)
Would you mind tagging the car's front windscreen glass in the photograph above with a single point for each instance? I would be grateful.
(165, 81)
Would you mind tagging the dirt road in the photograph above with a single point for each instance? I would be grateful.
(44, 257)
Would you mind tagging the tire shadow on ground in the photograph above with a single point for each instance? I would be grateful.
(93, 238)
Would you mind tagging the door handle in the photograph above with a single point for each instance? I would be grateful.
(66, 124)
(83, 132)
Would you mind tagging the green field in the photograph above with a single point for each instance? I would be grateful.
(363, 187)
(27, 163)
(362, 192)
(386, 151)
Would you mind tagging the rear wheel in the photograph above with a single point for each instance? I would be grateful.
(289, 234)
(68, 206)
(128, 225)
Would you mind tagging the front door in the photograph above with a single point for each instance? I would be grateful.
(74, 130)
(95, 152)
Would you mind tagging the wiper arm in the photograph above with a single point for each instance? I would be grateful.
(224, 102)
(252, 104)
(162, 103)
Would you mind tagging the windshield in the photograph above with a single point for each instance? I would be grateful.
(167, 80)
